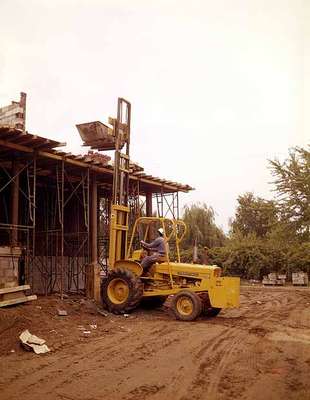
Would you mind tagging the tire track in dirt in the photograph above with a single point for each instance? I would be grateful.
(231, 340)
(213, 361)
(61, 372)
(148, 351)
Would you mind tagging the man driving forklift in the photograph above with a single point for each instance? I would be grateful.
(159, 249)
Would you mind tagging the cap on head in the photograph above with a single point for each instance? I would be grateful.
(161, 231)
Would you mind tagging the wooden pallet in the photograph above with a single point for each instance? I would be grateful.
(15, 295)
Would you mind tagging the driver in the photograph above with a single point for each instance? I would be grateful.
(158, 246)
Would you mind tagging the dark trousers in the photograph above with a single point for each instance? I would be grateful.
(148, 261)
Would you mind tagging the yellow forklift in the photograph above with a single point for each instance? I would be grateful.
(195, 289)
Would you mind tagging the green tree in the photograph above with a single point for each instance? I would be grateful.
(201, 227)
(249, 257)
(298, 258)
(254, 215)
(292, 181)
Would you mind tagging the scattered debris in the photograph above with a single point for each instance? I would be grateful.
(63, 296)
(62, 313)
(33, 342)
(124, 329)
(105, 314)
(81, 328)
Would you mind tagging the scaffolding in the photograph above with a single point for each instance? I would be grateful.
(167, 205)
(64, 241)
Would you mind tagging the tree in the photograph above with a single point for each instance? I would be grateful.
(201, 227)
(254, 215)
(298, 258)
(249, 257)
(292, 181)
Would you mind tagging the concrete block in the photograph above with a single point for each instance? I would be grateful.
(4, 262)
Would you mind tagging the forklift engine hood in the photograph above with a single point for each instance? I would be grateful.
(190, 270)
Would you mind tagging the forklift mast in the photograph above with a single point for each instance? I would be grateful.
(119, 207)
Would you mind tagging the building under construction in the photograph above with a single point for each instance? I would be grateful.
(55, 207)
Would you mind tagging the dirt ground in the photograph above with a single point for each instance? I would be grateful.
(258, 352)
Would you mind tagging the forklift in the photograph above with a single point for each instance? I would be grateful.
(194, 289)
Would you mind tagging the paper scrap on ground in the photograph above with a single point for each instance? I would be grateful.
(62, 313)
(33, 342)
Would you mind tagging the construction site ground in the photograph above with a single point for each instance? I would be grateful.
(260, 351)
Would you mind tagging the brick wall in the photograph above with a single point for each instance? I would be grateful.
(14, 115)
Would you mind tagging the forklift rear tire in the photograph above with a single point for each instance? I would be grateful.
(186, 305)
(121, 291)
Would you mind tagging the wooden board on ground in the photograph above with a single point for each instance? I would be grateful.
(15, 295)
(17, 301)
(14, 289)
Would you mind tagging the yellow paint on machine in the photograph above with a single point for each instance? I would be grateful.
(225, 292)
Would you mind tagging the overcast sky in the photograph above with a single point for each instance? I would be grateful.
(217, 87)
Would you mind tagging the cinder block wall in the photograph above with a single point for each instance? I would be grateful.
(9, 261)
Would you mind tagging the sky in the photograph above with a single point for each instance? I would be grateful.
(217, 87)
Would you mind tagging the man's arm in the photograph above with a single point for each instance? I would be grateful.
(151, 246)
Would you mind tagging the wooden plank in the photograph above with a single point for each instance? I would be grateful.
(14, 289)
(11, 136)
(11, 296)
(15, 146)
(79, 157)
(17, 301)
(25, 139)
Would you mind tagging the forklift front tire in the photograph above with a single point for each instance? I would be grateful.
(186, 305)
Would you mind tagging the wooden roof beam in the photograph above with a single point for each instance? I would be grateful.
(145, 179)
